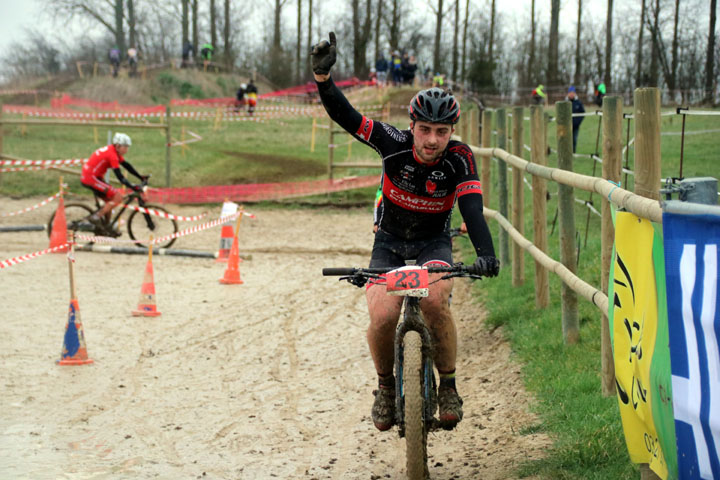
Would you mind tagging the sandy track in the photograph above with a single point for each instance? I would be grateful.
(270, 379)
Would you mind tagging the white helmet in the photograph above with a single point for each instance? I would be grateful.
(121, 139)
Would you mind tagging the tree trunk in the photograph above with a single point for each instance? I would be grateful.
(213, 23)
(185, 23)
(463, 75)
(438, 31)
(530, 76)
(227, 47)
(608, 47)
(377, 29)
(395, 26)
(710, 62)
(671, 80)
(492, 31)
(119, 31)
(299, 41)
(654, 50)
(553, 47)
(639, 80)
(578, 51)
(310, 39)
(195, 26)
(132, 40)
(456, 32)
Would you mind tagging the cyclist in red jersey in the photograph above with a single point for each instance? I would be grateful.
(93, 174)
(425, 174)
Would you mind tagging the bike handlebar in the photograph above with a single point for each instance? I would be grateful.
(458, 268)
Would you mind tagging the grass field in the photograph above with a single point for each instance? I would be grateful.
(565, 379)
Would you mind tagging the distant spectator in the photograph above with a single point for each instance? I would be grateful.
(240, 97)
(188, 52)
(132, 54)
(373, 76)
(396, 66)
(538, 95)
(114, 56)
(409, 69)
(206, 52)
(577, 107)
(251, 92)
(599, 94)
(381, 69)
(438, 80)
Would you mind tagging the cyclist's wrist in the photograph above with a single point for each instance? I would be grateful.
(321, 78)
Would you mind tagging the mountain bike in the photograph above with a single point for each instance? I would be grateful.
(140, 225)
(415, 383)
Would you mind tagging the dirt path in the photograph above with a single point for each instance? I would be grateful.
(270, 379)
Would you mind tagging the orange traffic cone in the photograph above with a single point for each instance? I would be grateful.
(226, 232)
(232, 272)
(74, 351)
(146, 305)
(58, 234)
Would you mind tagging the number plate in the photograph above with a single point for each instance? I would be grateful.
(408, 281)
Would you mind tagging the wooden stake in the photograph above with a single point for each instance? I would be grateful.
(647, 142)
(486, 159)
(518, 197)
(312, 135)
(538, 155)
(503, 239)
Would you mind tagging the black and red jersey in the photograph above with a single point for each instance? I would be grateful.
(417, 198)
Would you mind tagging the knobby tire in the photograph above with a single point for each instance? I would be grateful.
(415, 431)
(73, 212)
(138, 228)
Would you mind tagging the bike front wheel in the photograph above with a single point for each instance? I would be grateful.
(75, 217)
(415, 431)
(142, 225)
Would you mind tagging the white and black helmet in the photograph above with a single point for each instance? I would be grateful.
(121, 139)
(434, 105)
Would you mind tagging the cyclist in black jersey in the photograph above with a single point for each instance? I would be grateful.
(424, 174)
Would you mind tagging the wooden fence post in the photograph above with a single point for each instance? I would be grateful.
(503, 237)
(538, 155)
(566, 214)
(331, 149)
(611, 170)
(647, 165)
(486, 159)
(474, 127)
(168, 143)
(518, 197)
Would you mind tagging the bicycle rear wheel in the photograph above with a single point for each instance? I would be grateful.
(141, 226)
(415, 431)
(76, 218)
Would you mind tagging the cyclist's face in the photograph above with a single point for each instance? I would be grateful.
(122, 149)
(430, 139)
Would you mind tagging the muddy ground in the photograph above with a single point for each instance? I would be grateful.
(269, 379)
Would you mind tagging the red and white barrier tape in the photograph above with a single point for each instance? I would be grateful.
(196, 138)
(34, 207)
(38, 164)
(23, 258)
(158, 213)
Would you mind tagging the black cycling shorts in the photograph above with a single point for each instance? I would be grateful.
(390, 251)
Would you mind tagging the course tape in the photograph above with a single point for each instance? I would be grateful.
(195, 138)
(158, 213)
(23, 258)
(26, 165)
(34, 207)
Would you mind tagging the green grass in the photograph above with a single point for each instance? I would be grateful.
(585, 426)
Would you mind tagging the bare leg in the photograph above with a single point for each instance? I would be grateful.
(438, 318)
(384, 313)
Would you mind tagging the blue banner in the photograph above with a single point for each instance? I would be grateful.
(691, 266)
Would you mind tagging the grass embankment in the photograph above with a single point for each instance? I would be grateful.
(565, 379)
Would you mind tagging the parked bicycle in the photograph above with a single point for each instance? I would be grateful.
(140, 225)
(415, 383)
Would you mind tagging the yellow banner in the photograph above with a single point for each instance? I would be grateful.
(634, 316)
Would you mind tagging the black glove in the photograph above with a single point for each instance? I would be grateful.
(144, 178)
(487, 266)
(323, 55)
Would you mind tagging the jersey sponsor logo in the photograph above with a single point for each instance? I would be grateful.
(365, 129)
(416, 203)
(464, 151)
(438, 175)
(394, 133)
(464, 188)
(430, 186)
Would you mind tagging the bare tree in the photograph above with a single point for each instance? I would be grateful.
(438, 34)
(361, 35)
(185, 23)
(672, 80)
(654, 44)
(608, 46)
(639, 80)
(227, 46)
(492, 30)
(578, 56)
(456, 30)
(710, 62)
(194, 4)
(394, 25)
(378, 16)
(213, 24)
(299, 42)
(309, 39)
(553, 45)
(464, 42)
(531, 61)
(132, 40)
